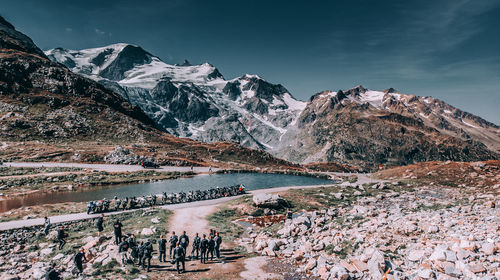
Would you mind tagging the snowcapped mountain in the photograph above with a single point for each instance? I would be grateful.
(358, 126)
(186, 100)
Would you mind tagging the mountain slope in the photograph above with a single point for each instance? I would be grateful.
(187, 100)
(367, 127)
(48, 112)
(42, 99)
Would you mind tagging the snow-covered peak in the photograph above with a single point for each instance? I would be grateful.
(87, 61)
(131, 66)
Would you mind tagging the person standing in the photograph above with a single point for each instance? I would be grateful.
(100, 224)
(117, 226)
(78, 259)
(162, 248)
(147, 255)
(140, 252)
(46, 227)
(218, 242)
(173, 242)
(52, 273)
(203, 249)
(133, 247)
(196, 247)
(61, 235)
(122, 249)
(184, 240)
(211, 247)
(289, 214)
(118, 202)
(180, 258)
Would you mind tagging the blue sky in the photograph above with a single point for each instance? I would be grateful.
(446, 49)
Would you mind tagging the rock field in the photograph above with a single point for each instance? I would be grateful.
(426, 232)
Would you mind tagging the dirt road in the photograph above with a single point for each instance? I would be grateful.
(192, 220)
(108, 167)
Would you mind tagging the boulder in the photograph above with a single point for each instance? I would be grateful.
(52, 235)
(416, 255)
(147, 231)
(438, 254)
(46, 251)
(58, 257)
(266, 200)
(339, 272)
(311, 264)
(488, 248)
(425, 273)
(272, 245)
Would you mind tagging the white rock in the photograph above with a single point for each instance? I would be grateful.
(147, 231)
(46, 251)
(267, 200)
(416, 255)
(58, 257)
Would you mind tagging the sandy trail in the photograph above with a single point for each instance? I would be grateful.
(192, 220)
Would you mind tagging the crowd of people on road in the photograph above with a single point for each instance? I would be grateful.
(203, 248)
(121, 204)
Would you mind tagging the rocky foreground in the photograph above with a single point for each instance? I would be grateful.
(26, 253)
(425, 232)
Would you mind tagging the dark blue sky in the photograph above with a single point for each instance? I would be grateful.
(446, 49)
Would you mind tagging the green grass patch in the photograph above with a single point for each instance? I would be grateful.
(222, 222)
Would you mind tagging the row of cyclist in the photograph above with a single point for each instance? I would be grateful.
(104, 205)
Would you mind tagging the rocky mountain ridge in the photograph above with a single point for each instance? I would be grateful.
(357, 126)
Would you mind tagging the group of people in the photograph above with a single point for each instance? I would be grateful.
(104, 205)
(142, 252)
(202, 247)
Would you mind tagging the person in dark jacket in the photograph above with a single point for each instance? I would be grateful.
(147, 255)
(173, 242)
(203, 249)
(117, 227)
(100, 224)
(180, 258)
(61, 235)
(211, 247)
(196, 247)
(184, 240)
(162, 248)
(122, 249)
(218, 242)
(52, 273)
(134, 248)
(140, 252)
(78, 259)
